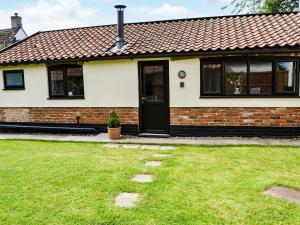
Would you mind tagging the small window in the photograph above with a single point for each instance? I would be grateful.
(66, 81)
(235, 78)
(260, 78)
(212, 78)
(13, 79)
(154, 83)
(286, 77)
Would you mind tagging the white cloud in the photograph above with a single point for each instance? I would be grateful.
(167, 9)
(51, 14)
(164, 11)
(216, 1)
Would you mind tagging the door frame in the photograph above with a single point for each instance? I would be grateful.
(165, 63)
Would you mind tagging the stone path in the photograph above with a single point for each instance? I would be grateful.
(137, 146)
(130, 200)
(143, 178)
(127, 200)
(288, 194)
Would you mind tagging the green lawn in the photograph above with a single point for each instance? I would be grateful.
(76, 183)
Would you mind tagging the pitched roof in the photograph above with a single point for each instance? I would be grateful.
(6, 36)
(170, 36)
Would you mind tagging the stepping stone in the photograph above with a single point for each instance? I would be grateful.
(162, 155)
(153, 163)
(288, 194)
(127, 200)
(167, 148)
(143, 178)
(131, 146)
(152, 147)
(112, 146)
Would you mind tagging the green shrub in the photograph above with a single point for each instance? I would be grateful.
(113, 121)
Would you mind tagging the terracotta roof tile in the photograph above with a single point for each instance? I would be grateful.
(186, 35)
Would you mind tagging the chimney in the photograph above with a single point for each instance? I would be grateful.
(16, 21)
(120, 37)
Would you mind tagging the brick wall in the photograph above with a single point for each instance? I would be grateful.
(274, 117)
(66, 115)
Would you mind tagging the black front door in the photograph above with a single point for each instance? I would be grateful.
(154, 97)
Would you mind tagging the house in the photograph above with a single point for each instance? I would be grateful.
(13, 34)
(229, 75)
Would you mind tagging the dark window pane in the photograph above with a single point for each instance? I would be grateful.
(57, 82)
(212, 78)
(286, 77)
(236, 78)
(260, 78)
(14, 79)
(154, 83)
(75, 81)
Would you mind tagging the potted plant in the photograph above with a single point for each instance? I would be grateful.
(114, 126)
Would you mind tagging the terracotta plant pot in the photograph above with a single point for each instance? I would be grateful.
(114, 133)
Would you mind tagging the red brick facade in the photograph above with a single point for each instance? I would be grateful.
(267, 117)
(67, 115)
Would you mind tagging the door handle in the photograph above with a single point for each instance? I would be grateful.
(143, 100)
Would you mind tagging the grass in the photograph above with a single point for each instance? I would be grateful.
(76, 183)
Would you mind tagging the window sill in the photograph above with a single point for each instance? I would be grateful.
(67, 98)
(14, 89)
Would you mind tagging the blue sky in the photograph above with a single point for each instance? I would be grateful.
(57, 14)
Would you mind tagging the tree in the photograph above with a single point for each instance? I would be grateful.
(264, 6)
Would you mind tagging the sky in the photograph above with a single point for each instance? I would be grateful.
(41, 15)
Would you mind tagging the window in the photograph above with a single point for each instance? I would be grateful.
(253, 77)
(236, 78)
(212, 75)
(66, 81)
(286, 77)
(260, 78)
(13, 79)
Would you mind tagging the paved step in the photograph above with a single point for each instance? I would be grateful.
(152, 147)
(112, 146)
(162, 155)
(288, 194)
(143, 178)
(127, 200)
(137, 146)
(153, 163)
(131, 146)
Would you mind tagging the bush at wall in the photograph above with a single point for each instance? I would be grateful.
(113, 121)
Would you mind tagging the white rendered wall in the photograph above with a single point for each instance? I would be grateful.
(114, 83)
(106, 84)
(189, 96)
